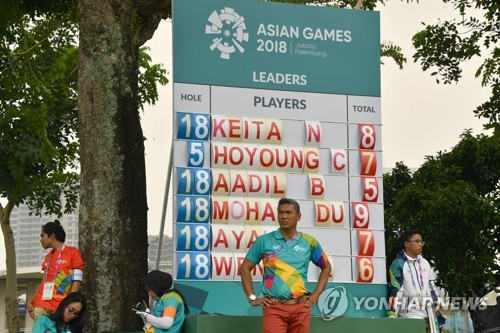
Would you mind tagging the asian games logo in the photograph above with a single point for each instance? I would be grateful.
(229, 30)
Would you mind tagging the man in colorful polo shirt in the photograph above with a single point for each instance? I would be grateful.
(286, 254)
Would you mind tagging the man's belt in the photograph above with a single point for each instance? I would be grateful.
(286, 300)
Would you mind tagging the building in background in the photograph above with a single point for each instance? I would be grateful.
(167, 253)
(30, 254)
(26, 229)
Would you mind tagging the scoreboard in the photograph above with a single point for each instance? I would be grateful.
(274, 100)
(233, 164)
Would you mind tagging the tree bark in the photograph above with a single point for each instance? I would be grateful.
(113, 206)
(11, 301)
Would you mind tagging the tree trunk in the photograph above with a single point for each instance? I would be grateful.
(113, 207)
(11, 301)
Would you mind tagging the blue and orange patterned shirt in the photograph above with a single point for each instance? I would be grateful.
(286, 263)
(171, 305)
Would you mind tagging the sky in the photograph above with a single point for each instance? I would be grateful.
(419, 117)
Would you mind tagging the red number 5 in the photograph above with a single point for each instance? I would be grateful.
(370, 189)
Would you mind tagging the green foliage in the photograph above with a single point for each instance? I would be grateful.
(438, 40)
(363, 4)
(454, 200)
(444, 47)
(13, 10)
(151, 74)
(392, 51)
(309, 2)
(38, 112)
(393, 183)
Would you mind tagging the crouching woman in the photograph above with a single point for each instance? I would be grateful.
(170, 309)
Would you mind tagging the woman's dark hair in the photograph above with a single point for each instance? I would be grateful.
(76, 324)
(161, 283)
(55, 228)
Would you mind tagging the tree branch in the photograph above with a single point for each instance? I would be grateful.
(31, 48)
(151, 13)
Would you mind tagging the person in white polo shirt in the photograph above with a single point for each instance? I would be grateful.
(412, 281)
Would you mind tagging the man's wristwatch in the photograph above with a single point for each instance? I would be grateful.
(252, 298)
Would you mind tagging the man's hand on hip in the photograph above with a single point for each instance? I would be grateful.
(312, 299)
(263, 301)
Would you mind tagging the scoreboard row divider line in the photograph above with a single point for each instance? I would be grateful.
(287, 119)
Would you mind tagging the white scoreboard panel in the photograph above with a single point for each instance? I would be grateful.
(237, 151)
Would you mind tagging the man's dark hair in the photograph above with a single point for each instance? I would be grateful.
(55, 228)
(406, 236)
(288, 201)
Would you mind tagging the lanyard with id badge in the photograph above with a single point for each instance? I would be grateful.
(278, 250)
(48, 287)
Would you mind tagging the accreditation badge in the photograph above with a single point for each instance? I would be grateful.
(48, 291)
